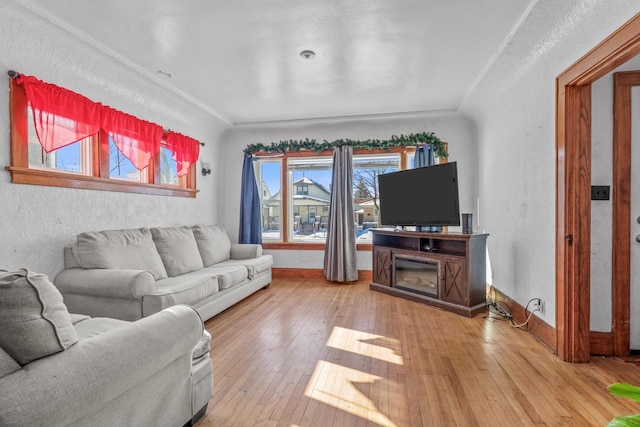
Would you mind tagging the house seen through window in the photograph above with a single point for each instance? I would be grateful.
(308, 180)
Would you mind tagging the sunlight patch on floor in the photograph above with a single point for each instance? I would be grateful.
(365, 344)
(335, 385)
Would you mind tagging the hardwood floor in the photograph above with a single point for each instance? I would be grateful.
(310, 353)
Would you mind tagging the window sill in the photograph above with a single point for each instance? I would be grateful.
(307, 246)
(60, 179)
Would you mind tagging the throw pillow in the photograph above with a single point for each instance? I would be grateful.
(34, 322)
(120, 250)
(213, 243)
(178, 249)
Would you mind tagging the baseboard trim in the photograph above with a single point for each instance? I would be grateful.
(537, 327)
(601, 343)
(311, 273)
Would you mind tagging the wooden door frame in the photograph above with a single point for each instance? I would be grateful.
(573, 186)
(621, 210)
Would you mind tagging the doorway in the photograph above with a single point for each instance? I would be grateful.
(573, 193)
(626, 213)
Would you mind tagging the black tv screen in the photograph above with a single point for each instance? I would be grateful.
(426, 196)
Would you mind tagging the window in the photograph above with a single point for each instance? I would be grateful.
(121, 168)
(308, 193)
(366, 169)
(268, 175)
(311, 177)
(169, 168)
(93, 161)
(69, 158)
(74, 157)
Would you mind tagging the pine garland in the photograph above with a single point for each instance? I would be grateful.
(370, 144)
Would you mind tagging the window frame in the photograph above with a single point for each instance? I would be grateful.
(22, 173)
(284, 242)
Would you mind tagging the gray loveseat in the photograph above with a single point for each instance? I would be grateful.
(130, 274)
(61, 369)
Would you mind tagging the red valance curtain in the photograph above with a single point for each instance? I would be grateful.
(138, 140)
(185, 150)
(61, 116)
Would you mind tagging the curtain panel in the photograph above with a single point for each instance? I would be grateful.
(61, 117)
(138, 140)
(185, 150)
(425, 156)
(340, 255)
(250, 224)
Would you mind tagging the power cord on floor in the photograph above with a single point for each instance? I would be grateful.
(503, 310)
(500, 309)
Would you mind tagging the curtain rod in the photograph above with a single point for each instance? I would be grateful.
(14, 75)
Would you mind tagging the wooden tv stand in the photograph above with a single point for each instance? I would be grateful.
(454, 268)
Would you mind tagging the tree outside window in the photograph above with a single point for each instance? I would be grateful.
(366, 169)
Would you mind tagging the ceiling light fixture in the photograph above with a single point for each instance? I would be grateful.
(307, 54)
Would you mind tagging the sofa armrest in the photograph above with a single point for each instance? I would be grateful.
(79, 381)
(245, 251)
(124, 284)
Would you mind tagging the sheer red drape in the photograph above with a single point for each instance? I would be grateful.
(138, 140)
(185, 150)
(61, 117)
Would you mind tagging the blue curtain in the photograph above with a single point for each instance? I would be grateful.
(250, 226)
(424, 156)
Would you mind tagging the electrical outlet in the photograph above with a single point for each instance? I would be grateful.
(538, 303)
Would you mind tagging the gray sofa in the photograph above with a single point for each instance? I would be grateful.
(61, 369)
(130, 274)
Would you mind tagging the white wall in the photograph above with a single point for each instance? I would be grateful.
(514, 108)
(35, 221)
(601, 210)
(452, 128)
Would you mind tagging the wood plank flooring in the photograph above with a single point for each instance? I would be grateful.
(311, 353)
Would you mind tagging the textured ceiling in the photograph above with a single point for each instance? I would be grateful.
(240, 59)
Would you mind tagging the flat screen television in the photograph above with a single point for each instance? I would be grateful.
(426, 196)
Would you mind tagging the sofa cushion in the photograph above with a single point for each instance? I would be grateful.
(120, 250)
(213, 243)
(245, 250)
(255, 266)
(190, 289)
(230, 275)
(178, 249)
(34, 322)
(8, 365)
(70, 256)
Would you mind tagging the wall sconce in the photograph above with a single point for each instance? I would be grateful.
(206, 168)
